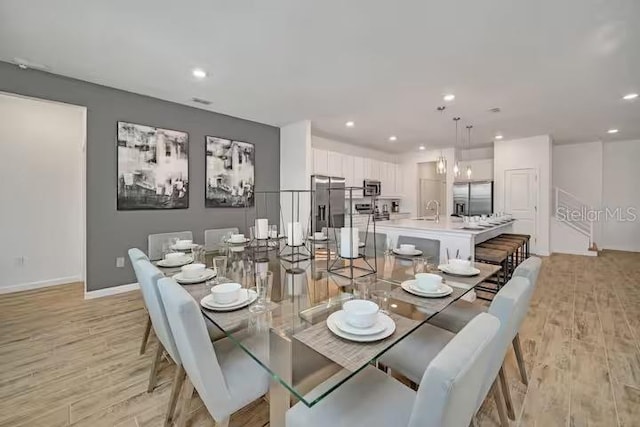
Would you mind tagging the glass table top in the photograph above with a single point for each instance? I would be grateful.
(291, 339)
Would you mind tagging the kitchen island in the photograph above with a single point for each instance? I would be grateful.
(449, 232)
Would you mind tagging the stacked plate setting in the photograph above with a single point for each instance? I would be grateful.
(441, 291)
(459, 267)
(407, 250)
(194, 273)
(175, 259)
(244, 298)
(361, 321)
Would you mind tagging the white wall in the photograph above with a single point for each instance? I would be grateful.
(295, 169)
(527, 153)
(578, 169)
(621, 188)
(410, 170)
(350, 149)
(41, 219)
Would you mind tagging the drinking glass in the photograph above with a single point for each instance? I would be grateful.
(263, 290)
(252, 233)
(419, 265)
(273, 231)
(219, 265)
(198, 255)
(381, 297)
(362, 285)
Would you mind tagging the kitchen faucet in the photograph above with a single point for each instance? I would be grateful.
(437, 208)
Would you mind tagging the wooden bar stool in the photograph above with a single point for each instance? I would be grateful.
(521, 240)
(526, 237)
(495, 257)
(514, 241)
(511, 249)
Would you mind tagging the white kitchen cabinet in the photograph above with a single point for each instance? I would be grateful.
(398, 179)
(481, 170)
(320, 161)
(387, 178)
(358, 171)
(347, 170)
(371, 169)
(334, 164)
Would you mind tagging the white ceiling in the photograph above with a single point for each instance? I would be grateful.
(552, 66)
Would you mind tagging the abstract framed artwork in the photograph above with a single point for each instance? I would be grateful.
(230, 173)
(153, 167)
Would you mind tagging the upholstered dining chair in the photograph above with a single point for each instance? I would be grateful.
(461, 312)
(507, 306)
(156, 241)
(225, 377)
(448, 392)
(213, 237)
(430, 248)
(148, 276)
(136, 255)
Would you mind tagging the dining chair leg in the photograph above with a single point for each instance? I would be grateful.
(506, 393)
(187, 394)
(178, 379)
(153, 375)
(520, 359)
(502, 414)
(145, 336)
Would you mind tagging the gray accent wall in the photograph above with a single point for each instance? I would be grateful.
(110, 233)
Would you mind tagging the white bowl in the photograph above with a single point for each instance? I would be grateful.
(459, 264)
(407, 248)
(428, 282)
(193, 271)
(184, 244)
(318, 235)
(237, 238)
(174, 256)
(226, 293)
(360, 313)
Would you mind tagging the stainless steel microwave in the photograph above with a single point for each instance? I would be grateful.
(372, 187)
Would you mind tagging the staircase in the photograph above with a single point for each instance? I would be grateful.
(570, 211)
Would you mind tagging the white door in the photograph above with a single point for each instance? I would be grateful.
(521, 200)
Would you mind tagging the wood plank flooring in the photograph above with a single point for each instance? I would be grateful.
(70, 362)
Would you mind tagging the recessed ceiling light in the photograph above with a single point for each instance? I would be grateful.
(350, 124)
(199, 73)
(612, 131)
(393, 138)
(421, 147)
(499, 137)
(630, 96)
(449, 97)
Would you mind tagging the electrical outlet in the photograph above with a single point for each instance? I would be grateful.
(120, 262)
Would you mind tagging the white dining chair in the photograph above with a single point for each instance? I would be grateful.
(449, 389)
(213, 237)
(225, 377)
(454, 317)
(507, 306)
(157, 241)
(135, 255)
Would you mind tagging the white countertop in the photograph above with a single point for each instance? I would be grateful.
(446, 224)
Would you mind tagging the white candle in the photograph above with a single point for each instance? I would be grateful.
(262, 228)
(294, 234)
(349, 242)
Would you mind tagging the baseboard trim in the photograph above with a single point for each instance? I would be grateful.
(583, 253)
(111, 291)
(39, 284)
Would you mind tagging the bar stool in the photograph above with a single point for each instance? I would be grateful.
(495, 257)
(511, 249)
(525, 237)
(516, 243)
(523, 241)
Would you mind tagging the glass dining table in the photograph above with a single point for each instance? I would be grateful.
(290, 338)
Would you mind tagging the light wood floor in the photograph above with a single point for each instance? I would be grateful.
(66, 361)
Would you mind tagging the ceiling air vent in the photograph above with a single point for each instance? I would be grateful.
(201, 101)
(494, 110)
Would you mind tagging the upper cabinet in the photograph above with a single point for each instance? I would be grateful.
(356, 169)
(481, 170)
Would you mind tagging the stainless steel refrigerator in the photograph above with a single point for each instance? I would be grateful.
(327, 206)
(473, 198)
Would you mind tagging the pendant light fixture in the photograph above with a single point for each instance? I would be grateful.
(441, 162)
(456, 166)
(469, 166)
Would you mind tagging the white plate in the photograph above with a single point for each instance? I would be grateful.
(184, 248)
(171, 264)
(409, 286)
(242, 242)
(313, 239)
(471, 271)
(247, 296)
(390, 328)
(208, 274)
(415, 252)
(340, 319)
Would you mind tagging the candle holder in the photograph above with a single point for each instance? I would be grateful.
(351, 262)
